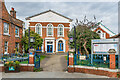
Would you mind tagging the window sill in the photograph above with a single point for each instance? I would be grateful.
(6, 34)
(60, 36)
(17, 36)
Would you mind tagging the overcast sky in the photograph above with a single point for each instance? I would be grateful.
(105, 11)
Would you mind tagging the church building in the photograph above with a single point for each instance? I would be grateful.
(53, 29)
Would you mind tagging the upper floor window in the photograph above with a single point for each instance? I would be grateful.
(6, 28)
(60, 30)
(16, 31)
(101, 34)
(49, 30)
(38, 29)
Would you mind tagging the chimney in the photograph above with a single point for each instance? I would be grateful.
(13, 12)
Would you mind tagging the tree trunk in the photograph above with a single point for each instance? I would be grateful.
(80, 50)
(84, 45)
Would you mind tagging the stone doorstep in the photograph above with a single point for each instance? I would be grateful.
(94, 68)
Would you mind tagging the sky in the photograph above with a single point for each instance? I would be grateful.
(105, 11)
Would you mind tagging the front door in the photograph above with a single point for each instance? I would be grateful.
(49, 48)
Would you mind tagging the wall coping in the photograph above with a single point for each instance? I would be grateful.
(100, 68)
(1, 64)
(27, 64)
(21, 64)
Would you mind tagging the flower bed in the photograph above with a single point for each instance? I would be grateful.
(12, 67)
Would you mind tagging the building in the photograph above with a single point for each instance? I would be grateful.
(10, 31)
(53, 28)
(104, 32)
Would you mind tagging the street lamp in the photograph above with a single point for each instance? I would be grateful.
(75, 43)
(32, 39)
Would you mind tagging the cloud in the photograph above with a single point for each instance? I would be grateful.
(105, 11)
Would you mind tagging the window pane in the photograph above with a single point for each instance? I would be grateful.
(6, 46)
(17, 31)
(6, 27)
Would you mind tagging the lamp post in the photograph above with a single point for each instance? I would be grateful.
(75, 43)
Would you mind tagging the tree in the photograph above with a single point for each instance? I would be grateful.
(84, 34)
(25, 40)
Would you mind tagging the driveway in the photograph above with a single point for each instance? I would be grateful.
(54, 63)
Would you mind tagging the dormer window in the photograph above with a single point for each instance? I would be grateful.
(38, 29)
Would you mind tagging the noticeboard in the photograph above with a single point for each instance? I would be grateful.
(102, 46)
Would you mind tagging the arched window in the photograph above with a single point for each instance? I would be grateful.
(49, 30)
(60, 30)
(60, 45)
(38, 29)
(101, 34)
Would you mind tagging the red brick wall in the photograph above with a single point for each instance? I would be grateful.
(44, 33)
(92, 71)
(6, 17)
(107, 35)
(22, 68)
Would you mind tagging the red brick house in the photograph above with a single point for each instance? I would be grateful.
(104, 32)
(11, 30)
(53, 28)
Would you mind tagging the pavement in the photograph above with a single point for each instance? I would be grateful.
(54, 66)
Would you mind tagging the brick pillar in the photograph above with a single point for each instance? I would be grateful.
(112, 61)
(31, 59)
(71, 59)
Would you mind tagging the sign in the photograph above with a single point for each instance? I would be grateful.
(102, 46)
(104, 58)
(82, 57)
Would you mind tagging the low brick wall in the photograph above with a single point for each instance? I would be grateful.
(93, 70)
(24, 67)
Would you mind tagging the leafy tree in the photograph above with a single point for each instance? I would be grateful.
(25, 40)
(84, 34)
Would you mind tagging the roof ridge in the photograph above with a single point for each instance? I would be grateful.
(46, 12)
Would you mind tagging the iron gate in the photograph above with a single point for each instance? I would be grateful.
(36, 61)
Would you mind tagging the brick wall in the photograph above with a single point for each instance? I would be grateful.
(93, 71)
(107, 35)
(44, 33)
(11, 39)
(24, 67)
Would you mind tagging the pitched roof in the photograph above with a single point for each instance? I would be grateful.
(46, 12)
(106, 29)
(116, 36)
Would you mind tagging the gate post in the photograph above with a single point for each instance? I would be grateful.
(71, 59)
(31, 56)
(112, 58)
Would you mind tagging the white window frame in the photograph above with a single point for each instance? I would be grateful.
(15, 31)
(6, 46)
(51, 31)
(4, 28)
(39, 27)
(59, 31)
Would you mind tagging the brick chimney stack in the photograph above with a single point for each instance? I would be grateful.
(13, 12)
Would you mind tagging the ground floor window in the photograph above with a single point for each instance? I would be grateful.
(17, 46)
(39, 48)
(6, 46)
(60, 45)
